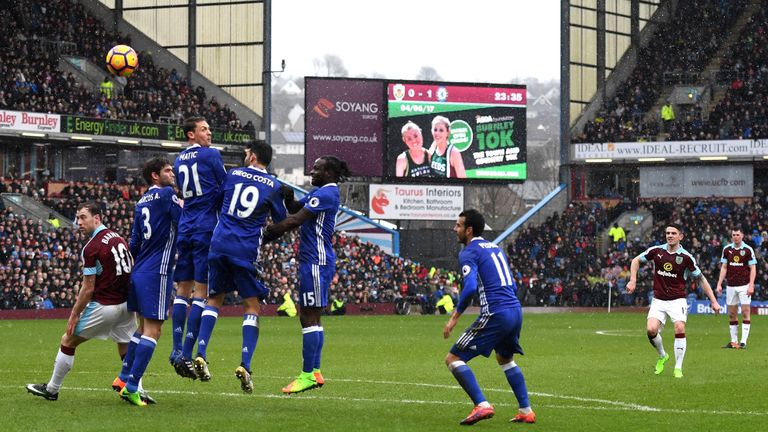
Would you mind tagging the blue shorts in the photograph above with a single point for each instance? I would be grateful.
(192, 262)
(150, 294)
(314, 284)
(229, 273)
(499, 331)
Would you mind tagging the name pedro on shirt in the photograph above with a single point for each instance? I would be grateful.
(254, 176)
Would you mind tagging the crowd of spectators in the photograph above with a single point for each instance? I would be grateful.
(35, 32)
(684, 45)
(557, 264)
(364, 273)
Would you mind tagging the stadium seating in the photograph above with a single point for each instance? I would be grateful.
(365, 274)
(682, 45)
(36, 32)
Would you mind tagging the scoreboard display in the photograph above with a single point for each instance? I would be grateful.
(437, 131)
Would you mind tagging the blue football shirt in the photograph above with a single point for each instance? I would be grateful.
(315, 246)
(250, 194)
(153, 235)
(199, 174)
(486, 274)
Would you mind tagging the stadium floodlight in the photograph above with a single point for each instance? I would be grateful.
(713, 158)
(81, 138)
(598, 160)
(128, 141)
(171, 144)
(33, 134)
(652, 159)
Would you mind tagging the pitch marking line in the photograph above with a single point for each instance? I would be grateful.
(622, 333)
(611, 405)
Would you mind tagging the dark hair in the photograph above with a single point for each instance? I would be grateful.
(734, 229)
(475, 220)
(261, 149)
(93, 207)
(676, 226)
(338, 166)
(154, 165)
(191, 123)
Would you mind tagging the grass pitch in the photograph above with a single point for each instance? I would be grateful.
(584, 372)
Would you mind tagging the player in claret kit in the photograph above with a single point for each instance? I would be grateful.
(672, 268)
(250, 194)
(739, 266)
(101, 310)
(153, 243)
(497, 328)
(199, 172)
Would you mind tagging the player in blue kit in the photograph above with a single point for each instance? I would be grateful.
(316, 214)
(250, 194)
(199, 172)
(153, 244)
(497, 328)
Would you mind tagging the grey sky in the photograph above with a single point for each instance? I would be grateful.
(480, 40)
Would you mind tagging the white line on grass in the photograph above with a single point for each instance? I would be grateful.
(613, 405)
(622, 333)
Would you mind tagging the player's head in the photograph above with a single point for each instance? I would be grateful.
(673, 233)
(737, 235)
(89, 217)
(158, 172)
(329, 169)
(197, 131)
(258, 151)
(441, 127)
(411, 133)
(469, 225)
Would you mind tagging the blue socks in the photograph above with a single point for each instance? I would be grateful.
(517, 382)
(467, 381)
(319, 351)
(250, 338)
(207, 321)
(142, 356)
(178, 319)
(193, 326)
(129, 357)
(311, 343)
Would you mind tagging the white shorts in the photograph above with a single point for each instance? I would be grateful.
(101, 322)
(737, 295)
(676, 309)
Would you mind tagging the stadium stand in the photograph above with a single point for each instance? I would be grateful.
(682, 45)
(31, 252)
(37, 32)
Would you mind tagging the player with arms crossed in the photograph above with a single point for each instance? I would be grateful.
(199, 172)
(153, 243)
(497, 328)
(101, 309)
(672, 266)
(739, 266)
(250, 193)
(316, 214)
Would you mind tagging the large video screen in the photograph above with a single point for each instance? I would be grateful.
(455, 132)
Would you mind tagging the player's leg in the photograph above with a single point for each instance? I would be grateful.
(732, 302)
(200, 246)
(183, 275)
(143, 354)
(326, 275)
(313, 282)
(678, 313)
(654, 325)
(65, 360)
(506, 348)
(250, 339)
(746, 322)
(129, 358)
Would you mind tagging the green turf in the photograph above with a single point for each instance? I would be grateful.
(387, 373)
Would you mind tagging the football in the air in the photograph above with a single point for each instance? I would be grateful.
(122, 60)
